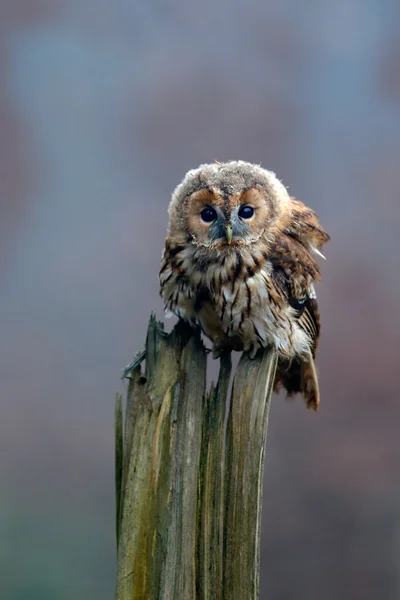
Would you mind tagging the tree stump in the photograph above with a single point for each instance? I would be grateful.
(189, 474)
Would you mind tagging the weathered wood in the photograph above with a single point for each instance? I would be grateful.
(118, 422)
(244, 468)
(211, 502)
(189, 501)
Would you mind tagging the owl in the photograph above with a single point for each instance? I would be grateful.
(240, 262)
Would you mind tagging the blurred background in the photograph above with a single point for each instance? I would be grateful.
(103, 108)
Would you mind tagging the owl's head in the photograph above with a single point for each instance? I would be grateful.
(223, 205)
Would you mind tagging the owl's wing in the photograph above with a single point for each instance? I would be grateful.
(294, 270)
(299, 375)
(305, 226)
(303, 302)
(308, 318)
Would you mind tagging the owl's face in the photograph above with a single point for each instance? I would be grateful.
(234, 220)
(226, 205)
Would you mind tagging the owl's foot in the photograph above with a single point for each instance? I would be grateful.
(221, 352)
(253, 351)
(220, 348)
(225, 345)
(216, 352)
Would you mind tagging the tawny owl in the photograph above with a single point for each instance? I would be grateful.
(239, 262)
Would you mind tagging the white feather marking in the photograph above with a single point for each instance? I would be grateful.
(311, 292)
(227, 294)
(262, 291)
(318, 252)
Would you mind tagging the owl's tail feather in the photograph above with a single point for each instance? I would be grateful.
(299, 376)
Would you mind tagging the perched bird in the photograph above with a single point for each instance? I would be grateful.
(239, 261)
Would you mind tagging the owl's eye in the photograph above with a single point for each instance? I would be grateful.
(246, 212)
(208, 215)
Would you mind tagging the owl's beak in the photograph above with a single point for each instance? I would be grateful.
(228, 233)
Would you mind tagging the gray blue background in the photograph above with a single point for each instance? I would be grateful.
(103, 108)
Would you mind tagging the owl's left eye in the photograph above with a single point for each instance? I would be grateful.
(246, 212)
(208, 214)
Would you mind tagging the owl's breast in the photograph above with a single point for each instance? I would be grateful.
(235, 298)
(243, 302)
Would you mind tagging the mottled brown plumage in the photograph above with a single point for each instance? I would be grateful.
(239, 261)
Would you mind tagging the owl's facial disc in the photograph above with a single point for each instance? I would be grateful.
(215, 220)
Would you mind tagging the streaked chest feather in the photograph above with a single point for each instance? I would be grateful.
(234, 296)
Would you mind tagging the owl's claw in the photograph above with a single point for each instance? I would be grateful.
(220, 350)
(216, 353)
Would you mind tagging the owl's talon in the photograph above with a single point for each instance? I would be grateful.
(218, 351)
(253, 353)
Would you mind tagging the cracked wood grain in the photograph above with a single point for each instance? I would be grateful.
(189, 479)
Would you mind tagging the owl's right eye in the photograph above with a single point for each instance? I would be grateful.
(208, 215)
